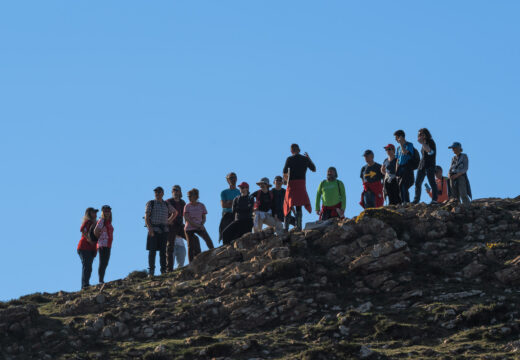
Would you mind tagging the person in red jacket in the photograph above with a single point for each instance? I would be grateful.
(106, 234)
(87, 248)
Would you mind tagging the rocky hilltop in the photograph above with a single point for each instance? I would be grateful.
(416, 282)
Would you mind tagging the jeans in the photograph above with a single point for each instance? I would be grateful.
(157, 243)
(430, 173)
(87, 258)
(405, 179)
(194, 244)
(104, 256)
(459, 189)
(369, 199)
(175, 230)
(180, 255)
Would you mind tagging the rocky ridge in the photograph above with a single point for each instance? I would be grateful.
(397, 282)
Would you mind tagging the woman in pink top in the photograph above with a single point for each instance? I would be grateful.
(106, 234)
(195, 216)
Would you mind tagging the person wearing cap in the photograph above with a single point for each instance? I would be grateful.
(86, 248)
(263, 208)
(158, 216)
(332, 192)
(426, 165)
(390, 186)
(242, 208)
(175, 248)
(294, 173)
(372, 195)
(195, 215)
(443, 186)
(226, 201)
(106, 234)
(458, 176)
(404, 169)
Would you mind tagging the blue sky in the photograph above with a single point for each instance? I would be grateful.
(103, 101)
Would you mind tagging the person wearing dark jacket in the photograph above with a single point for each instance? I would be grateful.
(294, 173)
(426, 165)
(404, 170)
(176, 228)
(390, 185)
(371, 176)
(242, 209)
(263, 209)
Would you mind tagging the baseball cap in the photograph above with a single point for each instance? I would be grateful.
(243, 184)
(158, 188)
(456, 144)
(105, 207)
(390, 146)
(92, 209)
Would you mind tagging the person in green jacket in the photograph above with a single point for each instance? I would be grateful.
(332, 192)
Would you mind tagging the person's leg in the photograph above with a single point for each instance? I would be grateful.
(230, 233)
(151, 262)
(205, 236)
(395, 198)
(257, 221)
(163, 238)
(170, 247)
(455, 189)
(180, 255)
(463, 191)
(86, 267)
(104, 257)
(430, 173)
(299, 216)
(269, 220)
(418, 185)
(193, 245)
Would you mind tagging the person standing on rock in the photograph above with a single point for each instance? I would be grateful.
(372, 195)
(104, 245)
(443, 186)
(242, 208)
(86, 247)
(390, 185)
(195, 216)
(175, 244)
(332, 192)
(159, 215)
(263, 208)
(426, 165)
(405, 167)
(294, 173)
(278, 200)
(458, 176)
(226, 201)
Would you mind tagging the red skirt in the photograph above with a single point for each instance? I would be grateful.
(296, 195)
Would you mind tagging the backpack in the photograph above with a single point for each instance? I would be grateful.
(415, 160)
(91, 234)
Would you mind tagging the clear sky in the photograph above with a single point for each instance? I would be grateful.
(103, 101)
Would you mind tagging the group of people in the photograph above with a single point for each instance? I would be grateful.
(171, 222)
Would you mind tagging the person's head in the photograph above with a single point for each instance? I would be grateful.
(390, 150)
(438, 172)
(456, 147)
(90, 214)
(244, 188)
(278, 182)
(176, 192)
(231, 179)
(159, 193)
(106, 212)
(295, 149)
(264, 184)
(399, 136)
(424, 134)
(369, 156)
(193, 195)
(332, 173)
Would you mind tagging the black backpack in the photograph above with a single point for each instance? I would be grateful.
(415, 160)
(91, 235)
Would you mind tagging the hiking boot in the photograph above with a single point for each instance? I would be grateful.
(434, 202)
(415, 202)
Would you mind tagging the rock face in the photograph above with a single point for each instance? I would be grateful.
(415, 282)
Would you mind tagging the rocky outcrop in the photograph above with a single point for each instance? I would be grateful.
(417, 282)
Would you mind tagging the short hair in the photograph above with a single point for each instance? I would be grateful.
(194, 192)
(231, 174)
(437, 168)
(332, 168)
(426, 133)
(295, 147)
(400, 133)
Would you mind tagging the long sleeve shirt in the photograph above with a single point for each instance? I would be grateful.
(459, 164)
(332, 193)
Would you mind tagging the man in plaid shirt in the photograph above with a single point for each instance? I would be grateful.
(158, 216)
